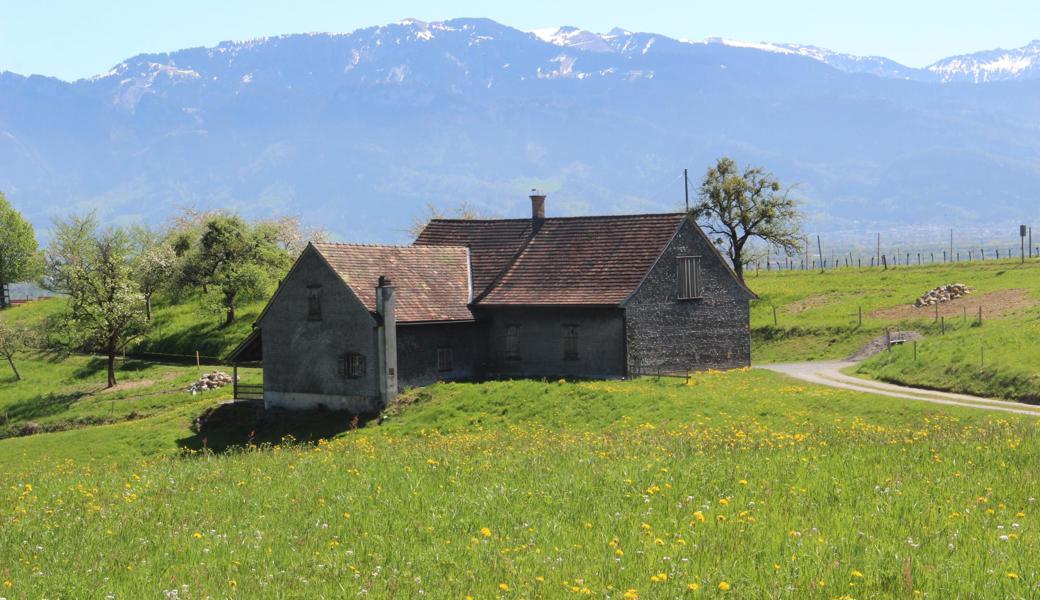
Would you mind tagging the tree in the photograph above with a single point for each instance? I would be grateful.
(19, 253)
(737, 205)
(14, 340)
(153, 262)
(93, 268)
(464, 210)
(238, 260)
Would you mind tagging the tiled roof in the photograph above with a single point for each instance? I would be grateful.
(432, 282)
(492, 244)
(584, 260)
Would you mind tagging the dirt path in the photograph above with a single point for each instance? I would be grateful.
(829, 373)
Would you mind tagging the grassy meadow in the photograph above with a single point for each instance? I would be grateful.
(742, 484)
(817, 317)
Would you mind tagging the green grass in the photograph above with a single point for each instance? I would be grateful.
(178, 329)
(533, 489)
(817, 318)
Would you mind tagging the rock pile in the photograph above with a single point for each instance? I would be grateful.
(943, 293)
(210, 381)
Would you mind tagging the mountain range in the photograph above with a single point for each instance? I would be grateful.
(358, 132)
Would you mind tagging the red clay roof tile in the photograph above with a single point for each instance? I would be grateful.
(432, 282)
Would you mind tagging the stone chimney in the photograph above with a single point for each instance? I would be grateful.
(387, 341)
(537, 205)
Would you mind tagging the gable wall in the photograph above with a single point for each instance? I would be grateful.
(302, 358)
(668, 334)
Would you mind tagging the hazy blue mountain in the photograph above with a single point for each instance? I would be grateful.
(357, 132)
(990, 65)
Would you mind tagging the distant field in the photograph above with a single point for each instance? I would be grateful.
(740, 484)
(817, 316)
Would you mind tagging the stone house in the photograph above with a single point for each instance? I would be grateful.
(592, 297)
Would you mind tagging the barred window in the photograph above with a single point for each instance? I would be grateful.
(570, 342)
(689, 268)
(352, 366)
(445, 360)
(513, 342)
(313, 302)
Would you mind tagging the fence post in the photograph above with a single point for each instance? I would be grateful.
(861, 315)
(774, 316)
(936, 312)
(888, 339)
(942, 325)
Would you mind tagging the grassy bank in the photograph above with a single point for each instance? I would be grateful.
(740, 485)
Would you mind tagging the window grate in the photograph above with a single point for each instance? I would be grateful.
(352, 366)
(689, 271)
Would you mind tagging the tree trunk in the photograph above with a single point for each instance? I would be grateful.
(17, 375)
(111, 364)
(3, 295)
(230, 318)
(148, 308)
(738, 264)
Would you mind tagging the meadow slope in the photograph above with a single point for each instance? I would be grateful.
(744, 484)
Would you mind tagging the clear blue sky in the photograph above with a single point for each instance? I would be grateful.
(76, 38)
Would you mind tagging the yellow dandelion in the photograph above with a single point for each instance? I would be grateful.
(856, 573)
(630, 594)
(724, 586)
(232, 583)
(504, 587)
(619, 552)
(699, 516)
(486, 532)
(197, 535)
(723, 501)
(1012, 575)
(693, 587)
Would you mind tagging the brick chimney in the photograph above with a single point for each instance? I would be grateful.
(537, 205)
(387, 341)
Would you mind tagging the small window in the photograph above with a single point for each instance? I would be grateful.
(445, 360)
(353, 365)
(570, 342)
(513, 342)
(314, 303)
(689, 268)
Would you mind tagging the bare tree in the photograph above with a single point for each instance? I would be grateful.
(465, 210)
(737, 205)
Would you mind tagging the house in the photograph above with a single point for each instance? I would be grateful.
(595, 297)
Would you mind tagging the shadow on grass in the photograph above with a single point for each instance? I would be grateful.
(97, 365)
(247, 423)
(44, 405)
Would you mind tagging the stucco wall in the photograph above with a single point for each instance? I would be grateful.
(417, 347)
(302, 358)
(668, 334)
(541, 344)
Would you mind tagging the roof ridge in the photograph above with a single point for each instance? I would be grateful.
(388, 246)
(570, 218)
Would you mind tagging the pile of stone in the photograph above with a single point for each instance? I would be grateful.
(943, 293)
(210, 381)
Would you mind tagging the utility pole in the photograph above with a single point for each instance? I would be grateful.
(1022, 234)
(686, 186)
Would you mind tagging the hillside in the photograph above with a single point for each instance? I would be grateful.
(818, 318)
(544, 489)
(358, 131)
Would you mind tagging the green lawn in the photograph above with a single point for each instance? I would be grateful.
(743, 484)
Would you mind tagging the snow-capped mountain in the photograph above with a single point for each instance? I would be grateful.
(991, 65)
(358, 131)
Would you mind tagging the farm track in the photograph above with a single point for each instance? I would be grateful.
(829, 373)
